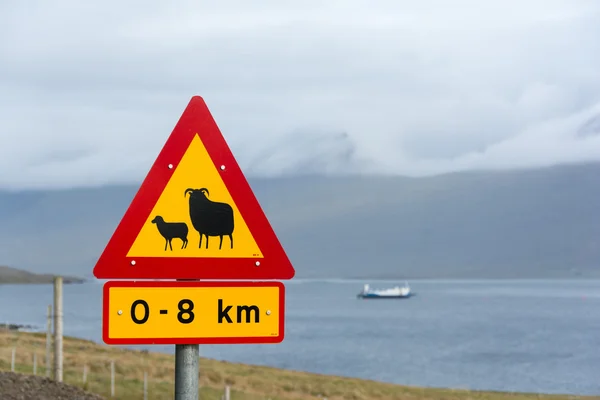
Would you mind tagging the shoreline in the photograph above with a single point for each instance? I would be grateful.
(68, 279)
(43, 280)
(8, 326)
(246, 380)
(16, 276)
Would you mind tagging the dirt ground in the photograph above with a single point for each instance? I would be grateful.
(15, 386)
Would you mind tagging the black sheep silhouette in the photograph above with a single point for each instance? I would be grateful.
(171, 230)
(210, 218)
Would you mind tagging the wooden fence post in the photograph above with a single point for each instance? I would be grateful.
(48, 339)
(58, 328)
(145, 385)
(112, 378)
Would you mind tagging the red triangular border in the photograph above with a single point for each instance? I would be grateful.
(114, 263)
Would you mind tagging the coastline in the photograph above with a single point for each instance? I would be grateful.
(50, 281)
(247, 382)
(15, 276)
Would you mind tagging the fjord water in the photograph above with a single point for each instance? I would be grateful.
(510, 335)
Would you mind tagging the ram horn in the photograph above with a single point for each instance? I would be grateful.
(204, 190)
(188, 190)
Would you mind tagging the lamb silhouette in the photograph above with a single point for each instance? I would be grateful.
(171, 230)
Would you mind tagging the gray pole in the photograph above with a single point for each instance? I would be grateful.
(58, 329)
(186, 371)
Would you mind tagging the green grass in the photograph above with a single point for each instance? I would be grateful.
(247, 382)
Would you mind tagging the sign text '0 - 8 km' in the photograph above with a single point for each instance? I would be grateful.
(199, 312)
(185, 314)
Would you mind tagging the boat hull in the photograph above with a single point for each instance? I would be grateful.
(375, 296)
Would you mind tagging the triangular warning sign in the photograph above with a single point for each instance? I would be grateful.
(195, 215)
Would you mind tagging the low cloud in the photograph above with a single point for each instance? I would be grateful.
(90, 91)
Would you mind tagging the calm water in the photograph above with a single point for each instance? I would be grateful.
(539, 336)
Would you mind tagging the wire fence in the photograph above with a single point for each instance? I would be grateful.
(102, 374)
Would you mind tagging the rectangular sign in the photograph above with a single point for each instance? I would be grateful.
(193, 312)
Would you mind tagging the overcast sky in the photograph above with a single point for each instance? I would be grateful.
(90, 90)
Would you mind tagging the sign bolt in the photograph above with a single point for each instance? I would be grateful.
(132, 262)
(222, 168)
(257, 263)
(268, 312)
(170, 166)
(119, 312)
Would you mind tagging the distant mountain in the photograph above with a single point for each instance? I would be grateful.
(541, 223)
(591, 127)
(13, 276)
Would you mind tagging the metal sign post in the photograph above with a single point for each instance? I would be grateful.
(187, 371)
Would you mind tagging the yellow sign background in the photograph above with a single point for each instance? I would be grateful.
(205, 323)
(196, 170)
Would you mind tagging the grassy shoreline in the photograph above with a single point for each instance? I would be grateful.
(247, 382)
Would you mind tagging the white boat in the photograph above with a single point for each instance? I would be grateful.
(398, 292)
